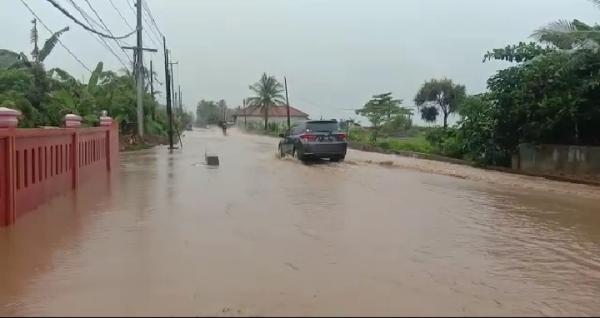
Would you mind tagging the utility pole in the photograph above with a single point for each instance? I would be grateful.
(179, 99)
(244, 103)
(173, 82)
(168, 94)
(140, 71)
(287, 102)
(152, 88)
(151, 80)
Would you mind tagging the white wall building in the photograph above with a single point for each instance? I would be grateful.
(254, 115)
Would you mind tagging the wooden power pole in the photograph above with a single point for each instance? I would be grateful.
(244, 103)
(168, 94)
(287, 102)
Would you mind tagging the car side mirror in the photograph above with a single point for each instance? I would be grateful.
(281, 135)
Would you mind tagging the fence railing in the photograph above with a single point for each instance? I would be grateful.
(38, 164)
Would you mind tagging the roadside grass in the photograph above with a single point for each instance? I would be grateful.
(361, 137)
(415, 143)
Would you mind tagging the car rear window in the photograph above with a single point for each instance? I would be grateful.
(322, 126)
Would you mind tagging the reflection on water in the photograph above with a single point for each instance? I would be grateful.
(264, 236)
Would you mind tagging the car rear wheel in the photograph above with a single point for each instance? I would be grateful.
(337, 159)
(281, 153)
(297, 155)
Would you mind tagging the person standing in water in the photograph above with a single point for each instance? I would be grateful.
(223, 125)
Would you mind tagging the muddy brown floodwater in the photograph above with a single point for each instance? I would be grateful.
(376, 235)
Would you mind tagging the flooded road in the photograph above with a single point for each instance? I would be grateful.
(376, 235)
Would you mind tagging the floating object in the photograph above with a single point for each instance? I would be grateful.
(211, 160)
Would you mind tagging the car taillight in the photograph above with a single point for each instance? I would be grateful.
(340, 137)
(308, 137)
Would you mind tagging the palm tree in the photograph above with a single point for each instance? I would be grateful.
(567, 35)
(268, 92)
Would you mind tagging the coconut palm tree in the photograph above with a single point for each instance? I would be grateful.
(567, 35)
(269, 92)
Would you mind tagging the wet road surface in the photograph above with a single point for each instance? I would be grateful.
(376, 235)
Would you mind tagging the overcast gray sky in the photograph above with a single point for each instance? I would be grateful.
(335, 53)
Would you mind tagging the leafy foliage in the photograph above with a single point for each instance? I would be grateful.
(8, 58)
(49, 45)
(383, 110)
(543, 101)
(45, 97)
(521, 52)
(429, 113)
(442, 94)
(445, 141)
(565, 35)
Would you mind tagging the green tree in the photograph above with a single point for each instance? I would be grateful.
(443, 95)
(521, 52)
(8, 59)
(479, 131)
(268, 92)
(429, 113)
(381, 109)
(207, 113)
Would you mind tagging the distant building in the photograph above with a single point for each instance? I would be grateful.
(253, 115)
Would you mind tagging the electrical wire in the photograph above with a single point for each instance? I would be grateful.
(88, 28)
(118, 42)
(120, 14)
(59, 41)
(100, 40)
(157, 44)
(155, 31)
(147, 9)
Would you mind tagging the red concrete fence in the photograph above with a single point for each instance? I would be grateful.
(38, 164)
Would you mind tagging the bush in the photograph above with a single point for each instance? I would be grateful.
(446, 142)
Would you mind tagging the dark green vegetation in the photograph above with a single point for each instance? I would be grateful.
(550, 96)
(44, 97)
(439, 96)
(386, 115)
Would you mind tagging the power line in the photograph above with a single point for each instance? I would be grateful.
(59, 41)
(130, 6)
(119, 44)
(143, 29)
(100, 40)
(120, 14)
(70, 16)
(147, 9)
(152, 36)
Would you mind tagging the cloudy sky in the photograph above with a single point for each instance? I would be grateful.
(335, 53)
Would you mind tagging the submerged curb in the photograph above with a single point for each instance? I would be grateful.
(419, 155)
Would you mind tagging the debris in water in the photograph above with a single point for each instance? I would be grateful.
(211, 160)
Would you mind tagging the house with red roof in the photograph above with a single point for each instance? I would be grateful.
(277, 114)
